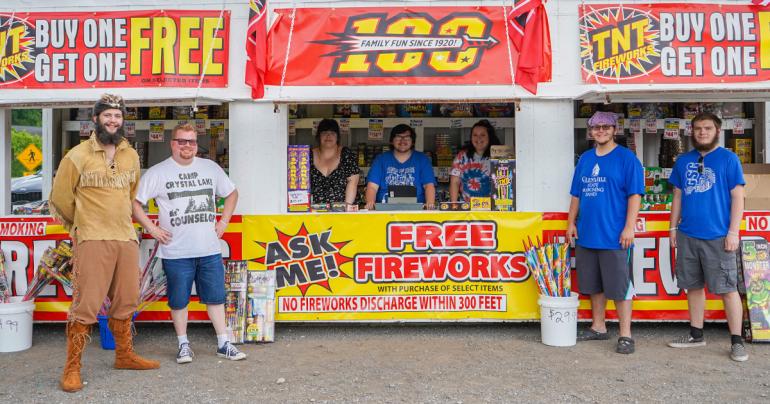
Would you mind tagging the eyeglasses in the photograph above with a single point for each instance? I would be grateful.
(402, 137)
(602, 127)
(182, 142)
(700, 165)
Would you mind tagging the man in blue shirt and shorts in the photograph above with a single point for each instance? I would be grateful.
(706, 215)
(606, 197)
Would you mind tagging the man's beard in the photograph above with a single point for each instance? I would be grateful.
(704, 147)
(107, 138)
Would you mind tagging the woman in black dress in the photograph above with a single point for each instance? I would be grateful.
(334, 174)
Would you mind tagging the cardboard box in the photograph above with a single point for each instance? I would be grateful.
(757, 186)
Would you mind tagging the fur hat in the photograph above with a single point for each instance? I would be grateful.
(109, 101)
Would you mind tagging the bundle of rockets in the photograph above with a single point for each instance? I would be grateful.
(549, 264)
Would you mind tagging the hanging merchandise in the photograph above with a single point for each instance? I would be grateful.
(503, 184)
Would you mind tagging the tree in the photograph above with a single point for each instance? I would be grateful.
(19, 141)
(27, 117)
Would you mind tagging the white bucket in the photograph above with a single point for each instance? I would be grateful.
(558, 320)
(16, 324)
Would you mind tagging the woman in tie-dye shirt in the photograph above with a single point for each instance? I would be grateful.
(470, 170)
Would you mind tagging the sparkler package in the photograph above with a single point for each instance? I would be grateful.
(503, 184)
(260, 307)
(235, 299)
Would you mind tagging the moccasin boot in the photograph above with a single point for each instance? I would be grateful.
(125, 358)
(78, 335)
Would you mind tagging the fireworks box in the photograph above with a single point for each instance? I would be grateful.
(260, 307)
(481, 203)
(298, 178)
(454, 206)
(235, 299)
(756, 278)
(503, 184)
(757, 186)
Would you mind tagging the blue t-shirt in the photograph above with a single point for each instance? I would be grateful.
(603, 184)
(416, 171)
(706, 196)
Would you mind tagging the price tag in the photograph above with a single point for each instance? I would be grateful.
(156, 131)
(375, 129)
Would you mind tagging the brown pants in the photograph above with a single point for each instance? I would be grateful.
(105, 268)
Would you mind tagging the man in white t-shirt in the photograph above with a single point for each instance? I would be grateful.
(184, 188)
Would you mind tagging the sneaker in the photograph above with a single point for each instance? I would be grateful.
(625, 346)
(738, 353)
(589, 334)
(687, 341)
(185, 354)
(229, 351)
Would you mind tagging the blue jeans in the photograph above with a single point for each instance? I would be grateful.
(208, 274)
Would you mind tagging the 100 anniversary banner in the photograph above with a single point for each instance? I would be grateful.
(674, 43)
(114, 49)
(459, 266)
(389, 46)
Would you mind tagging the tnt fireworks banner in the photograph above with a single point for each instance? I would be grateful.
(674, 43)
(170, 48)
(390, 46)
(24, 239)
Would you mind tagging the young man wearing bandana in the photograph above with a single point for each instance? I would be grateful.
(91, 196)
(606, 196)
(706, 215)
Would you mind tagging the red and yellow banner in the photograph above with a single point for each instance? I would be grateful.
(390, 46)
(459, 266)
(149, 48)
(674, 43)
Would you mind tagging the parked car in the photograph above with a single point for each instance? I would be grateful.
(27, 189)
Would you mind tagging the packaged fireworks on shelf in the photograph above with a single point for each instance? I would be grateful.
(503, 184)
(347, 110)
(456, 110)
(181, 112)
(298, 178)
(712, 107)
(236, 278)
(732, 110)
(260, 307)
(497, 110)
(481, 203)
(157, 113)
(586, 110)
(382, 111)
(415, 110)
(454, 206)
(742, 148)
(133, 113)
(689, 110)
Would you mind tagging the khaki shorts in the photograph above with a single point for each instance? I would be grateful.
(702, 263)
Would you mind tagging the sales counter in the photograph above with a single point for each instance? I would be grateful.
(393, 266)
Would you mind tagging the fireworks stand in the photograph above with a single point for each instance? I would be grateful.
(439, 68)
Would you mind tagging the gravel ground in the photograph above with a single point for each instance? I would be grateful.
(441, 363)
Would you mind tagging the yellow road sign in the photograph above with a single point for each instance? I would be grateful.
(31, 157)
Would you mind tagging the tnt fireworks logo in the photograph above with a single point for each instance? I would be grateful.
(619, 43)
(17, 49)
(304, 259)
(410, 44)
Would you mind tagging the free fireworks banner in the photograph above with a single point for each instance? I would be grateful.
(453, 266)
(390, 46)
(170, 48)
(674, 43)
